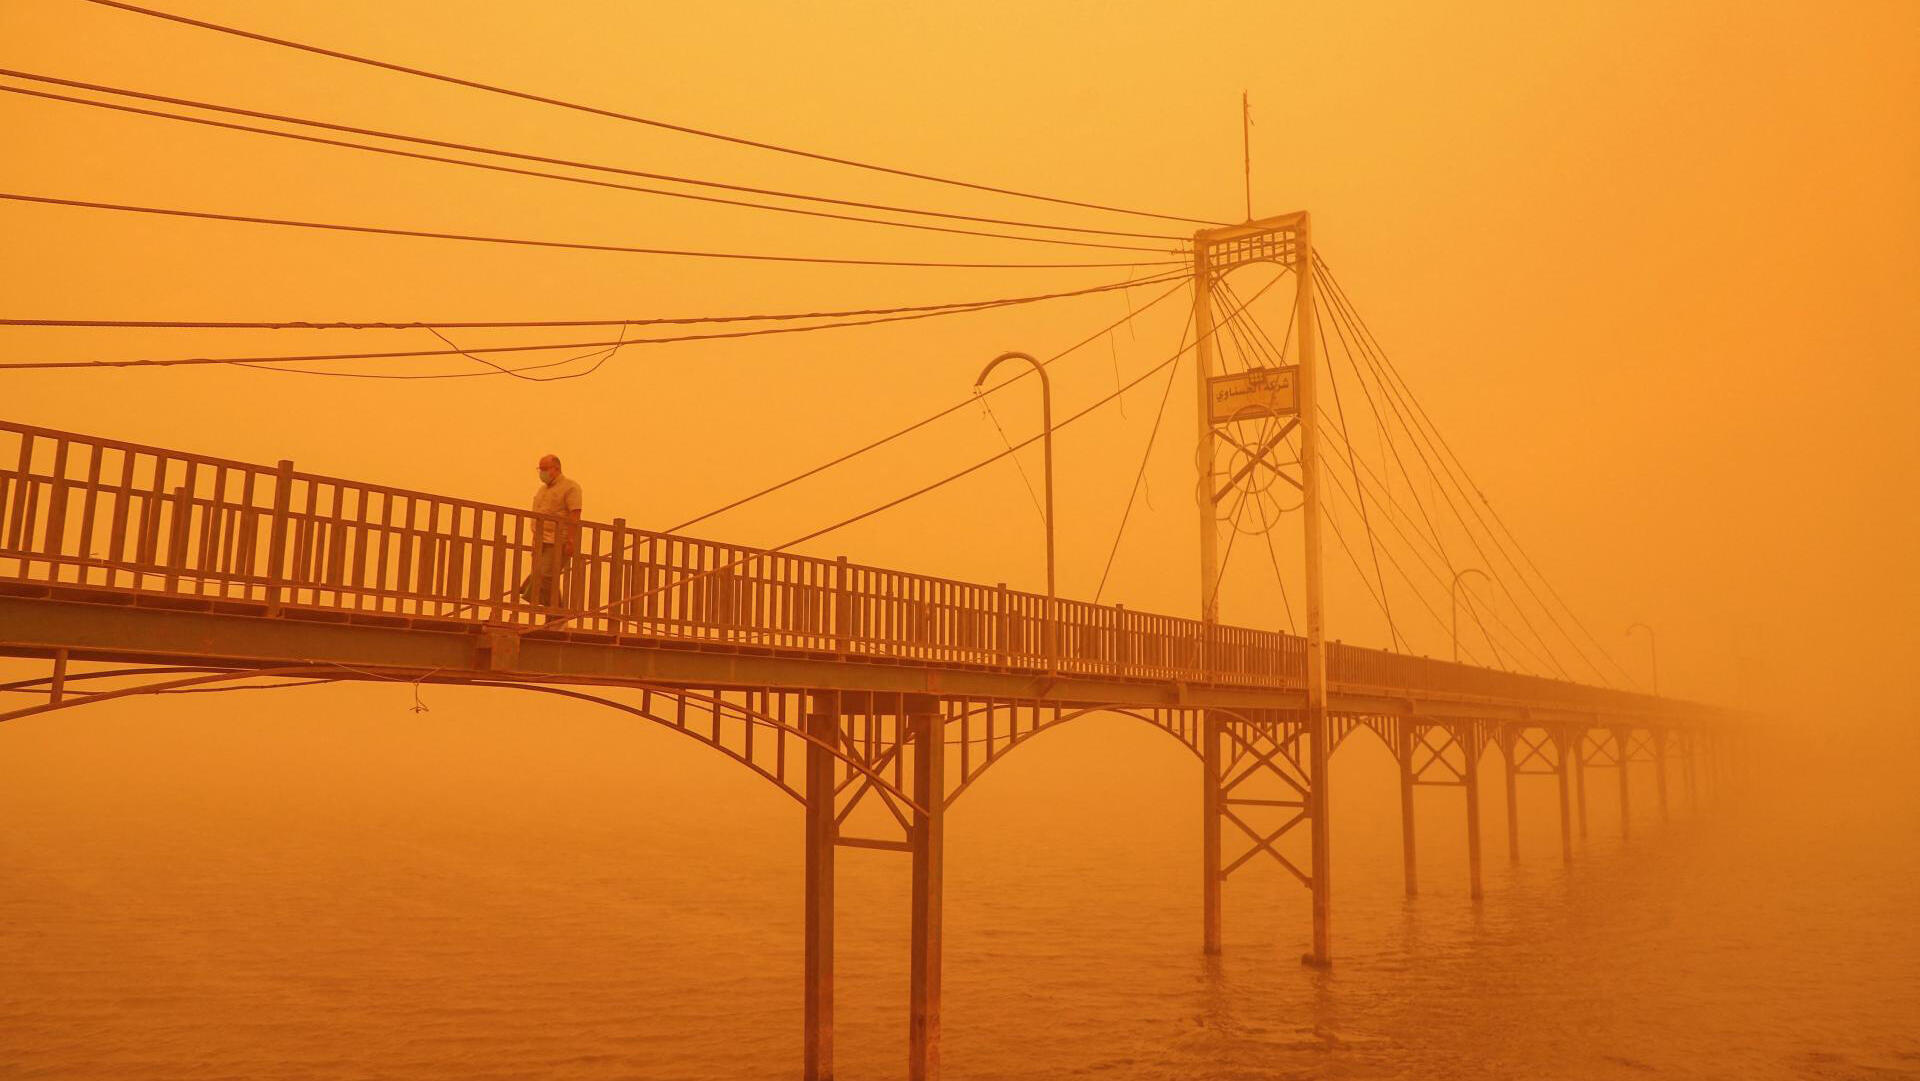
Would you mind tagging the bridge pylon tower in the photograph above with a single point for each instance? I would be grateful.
(1244, 419)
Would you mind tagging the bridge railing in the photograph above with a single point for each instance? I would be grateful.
(80, 512)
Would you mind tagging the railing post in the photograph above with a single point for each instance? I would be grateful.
(842, 607)
(277, 536)
(616, 604)
(1003, 628)
(177, 535)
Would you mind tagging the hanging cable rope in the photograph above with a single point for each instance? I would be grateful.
(1430, 433)
(1366, 520)
(1280, 580)
(1473, 538)
(1131, 315)
(1515, 541)
(631, 118)
(1139, 476)
(1341, 326)
(757, 257)
(587, 181)
(259, 361)
(1345, 453)
(987, 407)
(1400, 569)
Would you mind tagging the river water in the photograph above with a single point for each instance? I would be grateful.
(322, 883)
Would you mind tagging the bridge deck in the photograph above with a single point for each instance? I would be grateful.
(114, 550)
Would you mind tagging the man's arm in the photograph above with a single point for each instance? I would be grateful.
(570, 532)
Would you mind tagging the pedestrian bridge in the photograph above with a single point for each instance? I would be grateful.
(872, 696)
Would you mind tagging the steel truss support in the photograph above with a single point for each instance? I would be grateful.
(1443, 754)
(883, 733)
(1258, 773)
(1532, 750)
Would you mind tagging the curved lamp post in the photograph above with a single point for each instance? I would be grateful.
(1051, 623)
(1653, 652)
(1455, 592)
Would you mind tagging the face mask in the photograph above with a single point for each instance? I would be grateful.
(546, 476)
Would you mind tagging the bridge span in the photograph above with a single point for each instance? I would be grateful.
(873, 697)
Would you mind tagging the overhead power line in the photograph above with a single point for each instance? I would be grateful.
(571, 163)
(564, 178)
(414, 354)
(759, 257)
(680, 320)
(614, 114)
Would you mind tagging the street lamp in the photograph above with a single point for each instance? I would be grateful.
(1653, 652)
(1455, 592)
(1051, 624)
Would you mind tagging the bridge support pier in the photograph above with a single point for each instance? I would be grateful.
(928, 732)
(1621, 743)
(1509, 751)
(1470, 742)
(1688, 748)
(821, 836)
(1660, 769)
(1403, 750)
(1563, 772)
(1211, 802)
(1578, 738)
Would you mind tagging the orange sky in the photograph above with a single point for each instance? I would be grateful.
(1649, 266)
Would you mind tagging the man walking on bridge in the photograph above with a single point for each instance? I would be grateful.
(557, 503)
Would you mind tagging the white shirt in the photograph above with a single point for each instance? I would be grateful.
(558, 500)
